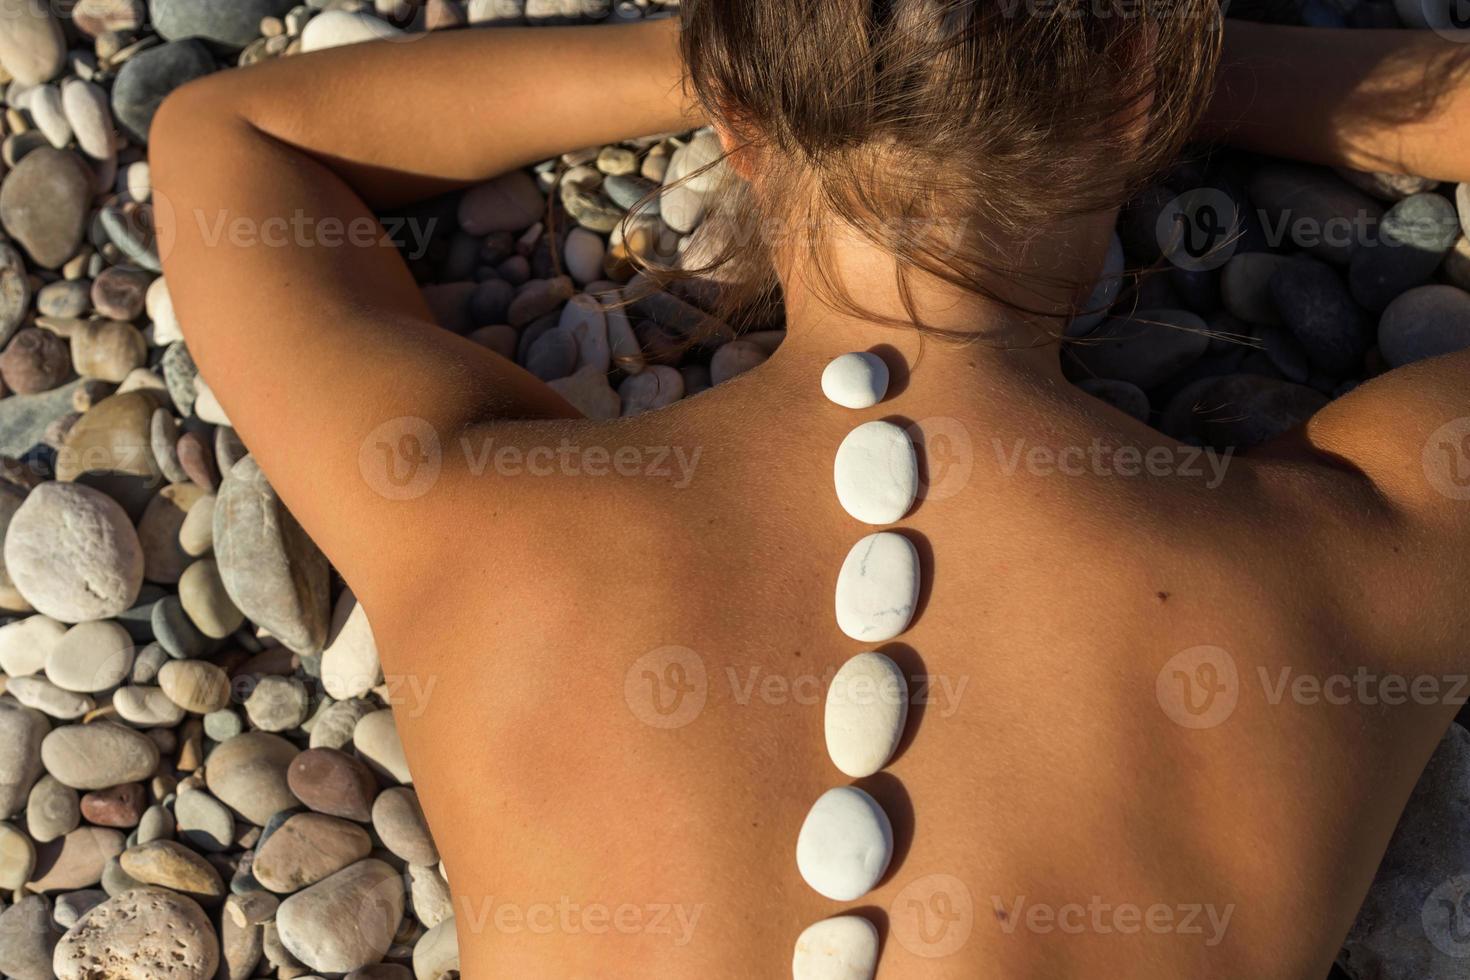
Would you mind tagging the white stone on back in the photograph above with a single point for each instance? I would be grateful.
(878, 587)
(867, 705)
(844, 845)
(855, 380)
(844, 947)
(876, 472)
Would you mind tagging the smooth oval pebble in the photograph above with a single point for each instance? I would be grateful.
(376, 739)
(170, 864)
(867, 706)
(307, 848)
(401, 826)
(844, 845)
(855, 380)
(72, 552)
(91, 657)
(248, 774)
(98, 755)
(195, 685)
(146, 707)
(368, 896)
(878, 587)
(876, 473)
(331, 781)
(844, 947)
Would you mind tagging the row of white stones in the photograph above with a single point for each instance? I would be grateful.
(846, 841)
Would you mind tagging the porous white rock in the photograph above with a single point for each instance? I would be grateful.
(844, 845)
(878, 587)
(876, 473)
(867, 706)
(844, 947)
(855, 380)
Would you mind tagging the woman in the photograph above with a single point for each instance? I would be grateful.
(623, 730)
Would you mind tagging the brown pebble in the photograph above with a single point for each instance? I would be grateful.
(197, 460)
(119, 806)
(333, 782)
(35, 360)
(118, 293)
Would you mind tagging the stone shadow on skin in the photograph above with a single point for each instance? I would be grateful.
(926, 570)
(911, 428)
(890, 793)
(898, 369)
(912, 665)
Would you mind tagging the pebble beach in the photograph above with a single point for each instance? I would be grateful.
(195, 731)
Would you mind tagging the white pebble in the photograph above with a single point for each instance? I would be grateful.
(49, 116)
(91, 657)
(206, 406)
(583, 318)
(844, 947)
(855, 380)
(160, 306)
(878, 587)
(653, 388)
(25, 644)
(332, 28)
(876, 473)
(844, 845)
(867, 706)
(583, 253)
(86, 109)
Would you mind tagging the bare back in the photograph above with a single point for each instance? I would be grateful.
(1111, 680)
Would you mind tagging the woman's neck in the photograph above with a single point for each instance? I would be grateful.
(1058, 266)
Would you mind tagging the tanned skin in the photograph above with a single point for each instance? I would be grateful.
(523, 611)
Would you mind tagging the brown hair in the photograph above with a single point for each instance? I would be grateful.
(889, 114)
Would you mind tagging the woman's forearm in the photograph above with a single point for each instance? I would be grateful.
(1381, 100)
(404, 119)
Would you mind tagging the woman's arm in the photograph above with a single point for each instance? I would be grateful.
(1387, 101)
(404, 119)
(311, 331)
